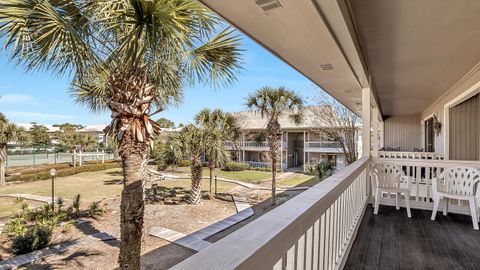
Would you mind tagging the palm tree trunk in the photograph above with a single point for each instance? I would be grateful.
(3, 163)
(133, 155)
(274, 137)
(211, 167)
(196, 170)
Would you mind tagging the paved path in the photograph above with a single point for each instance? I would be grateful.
(28, 258)
(37, 198)
(181, 239)
(195, 241)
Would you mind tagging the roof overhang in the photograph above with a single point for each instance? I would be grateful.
(409, 52)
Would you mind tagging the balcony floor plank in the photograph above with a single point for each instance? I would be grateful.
(390, 240)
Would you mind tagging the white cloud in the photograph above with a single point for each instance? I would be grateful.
(36, 116)
(16, 98)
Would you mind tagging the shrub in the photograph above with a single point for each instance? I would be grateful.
(235, 166)
(184, 163)
(95, 210)
(35, 238)
(62, 172)
(322, 169)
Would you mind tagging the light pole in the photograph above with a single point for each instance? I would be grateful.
(53, 173)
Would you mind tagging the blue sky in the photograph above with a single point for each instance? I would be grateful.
(44, 98)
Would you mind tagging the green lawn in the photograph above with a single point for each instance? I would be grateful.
(185, 184)
(92, 186)
(246, 176)
(301, 181)
(8, 206)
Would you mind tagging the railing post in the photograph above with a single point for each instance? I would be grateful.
(376, 141)
(366, 122)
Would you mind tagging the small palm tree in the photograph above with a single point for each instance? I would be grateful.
(221, 127)
(191, 143)
(131, 57)
(275, 103)
(9, 132)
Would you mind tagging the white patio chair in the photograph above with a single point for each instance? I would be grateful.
(456, 183)
(389, 178)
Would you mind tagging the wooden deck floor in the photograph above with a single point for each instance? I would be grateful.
(390, 240)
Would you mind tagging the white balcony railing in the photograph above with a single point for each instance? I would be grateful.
(251, 145)
(259, 164)
(314, 230)
(411, 155)
(321, 144)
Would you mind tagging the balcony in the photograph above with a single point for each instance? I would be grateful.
(251, 145)
(331, 226)
(322, 147)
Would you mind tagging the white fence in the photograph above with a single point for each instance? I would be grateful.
(313, 230)
(411, 155)
(257, 164)
(50, 158)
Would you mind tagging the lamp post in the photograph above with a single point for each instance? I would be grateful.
(53, 173)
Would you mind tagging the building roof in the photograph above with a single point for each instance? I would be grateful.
(253, 120)
(51, 128)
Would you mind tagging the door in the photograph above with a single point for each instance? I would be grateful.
(429, 136)
(464, 130)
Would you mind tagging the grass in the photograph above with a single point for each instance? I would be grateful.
(301, 181)
(8, 206)
(185, 184)
(91, 186)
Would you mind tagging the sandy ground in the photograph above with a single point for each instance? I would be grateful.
(157, 254)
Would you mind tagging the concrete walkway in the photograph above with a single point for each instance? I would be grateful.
(196, 241)
(31, 197)
(28, 258)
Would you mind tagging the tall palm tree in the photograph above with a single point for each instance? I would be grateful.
(131, 57)
(275, 103)
(221, 127)
(191, 142)
(9, 132)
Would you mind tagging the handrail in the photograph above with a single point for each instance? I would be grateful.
(410, 155)
(323, 219)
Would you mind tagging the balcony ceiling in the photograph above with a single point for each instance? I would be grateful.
(416, 50)
(413, 51)
(297, 33)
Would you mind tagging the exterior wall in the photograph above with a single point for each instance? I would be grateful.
(403, 131)
(464, 128)
(469, 83)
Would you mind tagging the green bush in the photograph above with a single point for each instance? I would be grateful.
(62, 172)
(235, 166)
(35, 238)
(322, 169)
(184, 163)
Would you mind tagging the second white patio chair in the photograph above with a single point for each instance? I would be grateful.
(456, 183)
(389, 178)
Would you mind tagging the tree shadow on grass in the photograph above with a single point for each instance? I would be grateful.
(88, 229)
(115, 173)
(113, 182)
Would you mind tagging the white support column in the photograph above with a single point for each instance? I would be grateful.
(243, 147)
(382, 134)
(281, 152)
(286, 149)
(375, 131)
(304, 152)
(366, 122)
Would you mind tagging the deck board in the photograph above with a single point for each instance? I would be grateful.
(390, 240)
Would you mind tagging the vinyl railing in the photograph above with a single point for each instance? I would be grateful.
(422, 171)
(314, 230)
(259, 164)
(251, 144)
(321, 144)
(410, 155)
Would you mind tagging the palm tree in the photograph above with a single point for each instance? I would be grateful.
(275, 103)
(221, 127)
(9, 132)
(131, 57)
(191, 142)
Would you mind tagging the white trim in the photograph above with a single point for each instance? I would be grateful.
(470, 92)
